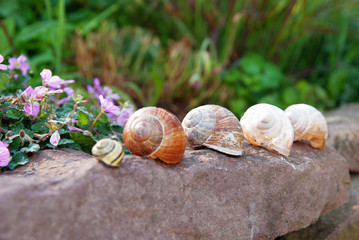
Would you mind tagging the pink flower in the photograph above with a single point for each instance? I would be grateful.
(32, 108)
(2, 66)
(28, 91)
(55, 138)
(69, 91)
(36, 94)
(97, 86)
(108, 106)
(106, 92)
(53, 82)
(39, 93)
(45, 74)
(125, 113)
(4, 154)
(74, 129)
(19, 63)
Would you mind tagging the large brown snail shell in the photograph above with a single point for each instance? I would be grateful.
(108, 151)
(214, 127)
(156, 133)
(268, 126)
(308, 124)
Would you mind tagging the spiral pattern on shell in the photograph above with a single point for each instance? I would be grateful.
(156, 133)
(108, 151)
(214, 127)
(267, 126)
(308, 124)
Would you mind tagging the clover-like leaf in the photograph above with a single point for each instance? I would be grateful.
(14, 114)
(83, 118)
(18, 159)
(64, 141)
(32, 148)
(86, 142)
(39, 126)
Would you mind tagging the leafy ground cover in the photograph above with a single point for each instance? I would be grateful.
(53, 115)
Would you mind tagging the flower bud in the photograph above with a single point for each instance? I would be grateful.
(87, 133)
(8, 134)
(22, 134)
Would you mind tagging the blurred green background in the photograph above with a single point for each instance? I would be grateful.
(180, 54)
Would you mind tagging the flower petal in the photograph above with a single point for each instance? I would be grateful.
(45, 74)
(32, 108)
(3, 66)
(55, 138)
(4, 156)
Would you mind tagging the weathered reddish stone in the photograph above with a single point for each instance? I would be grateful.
(66, 194)
(340, 224)
(343, 125)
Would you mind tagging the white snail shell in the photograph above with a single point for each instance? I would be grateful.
(156, 133)
(268, 126)
(108, 151)
(308, 124)
(214, 127)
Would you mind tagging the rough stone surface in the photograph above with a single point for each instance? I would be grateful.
(343, 125)
(66, 194)
(340, 224)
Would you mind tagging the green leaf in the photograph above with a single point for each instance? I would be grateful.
(14, 114)
(39, 126)
(74, 146)
(14, 144)
(116, 128)
(32, 148)
(84, 110)
(85, 142)
(18, 159)
(35, 31)
(83, 118)
(99, 18)
(64, 141)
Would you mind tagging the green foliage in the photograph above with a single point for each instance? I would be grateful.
(179, 54)
(57, 123)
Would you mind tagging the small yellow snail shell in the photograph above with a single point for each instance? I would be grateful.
(214, 127)
(308, 124)
(108, 151)
(156, 133)
(268, 126)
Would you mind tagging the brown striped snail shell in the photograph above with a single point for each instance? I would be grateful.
(308, 124)
(108, 151)
(214, 127)
(268, 126)
(156, 133)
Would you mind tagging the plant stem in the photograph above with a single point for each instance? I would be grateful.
(8, 37)
(95, 120)
(73, 111)
(44, 136)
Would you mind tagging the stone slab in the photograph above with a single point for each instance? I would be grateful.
(340, 224)
(66, 194)
(343, 125)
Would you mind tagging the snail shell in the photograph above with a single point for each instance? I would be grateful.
(214, 127)
(155, 133)
(268, 126)
(308, 124)
(108, 151)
